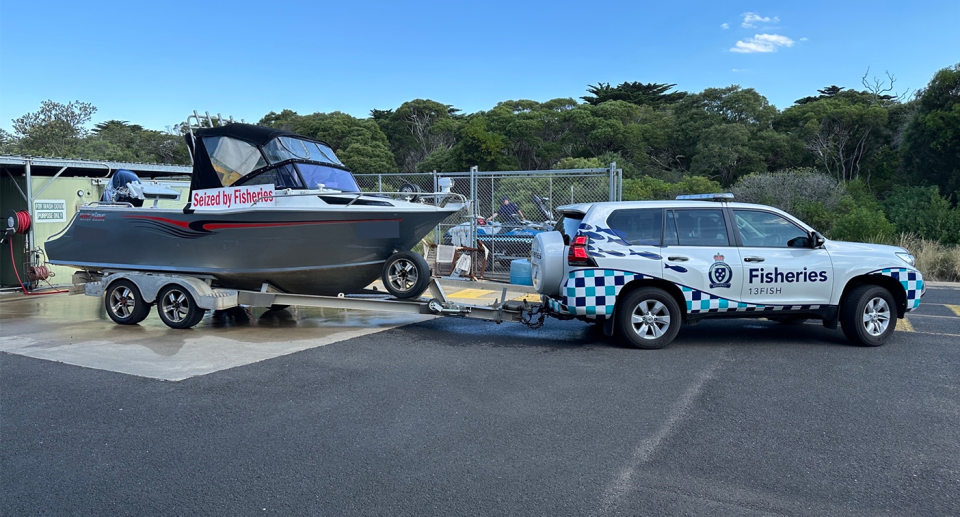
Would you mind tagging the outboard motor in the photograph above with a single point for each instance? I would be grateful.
(124, 187)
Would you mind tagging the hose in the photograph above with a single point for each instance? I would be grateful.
(19, 222)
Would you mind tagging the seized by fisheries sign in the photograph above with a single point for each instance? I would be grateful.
(232, 198)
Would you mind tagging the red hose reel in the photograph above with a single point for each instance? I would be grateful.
(18, 221)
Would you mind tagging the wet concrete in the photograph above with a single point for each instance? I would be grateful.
(75, 329)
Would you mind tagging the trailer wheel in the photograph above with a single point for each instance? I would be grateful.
(124, 303)
(177, 308)
(406, 274)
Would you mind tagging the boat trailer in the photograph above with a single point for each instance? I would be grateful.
(198, 290)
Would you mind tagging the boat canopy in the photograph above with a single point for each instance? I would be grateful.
(231, 154)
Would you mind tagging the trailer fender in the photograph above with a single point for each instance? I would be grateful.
(150, 284)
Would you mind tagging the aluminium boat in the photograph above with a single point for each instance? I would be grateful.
(266, 206)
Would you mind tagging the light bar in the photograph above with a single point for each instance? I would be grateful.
(726, 196)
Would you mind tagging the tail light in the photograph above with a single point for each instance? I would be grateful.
(578, 255)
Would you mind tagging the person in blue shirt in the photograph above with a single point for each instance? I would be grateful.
(509, 213)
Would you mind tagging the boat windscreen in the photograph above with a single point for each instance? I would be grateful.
(232, 159)
(330, 177)
(288, 148)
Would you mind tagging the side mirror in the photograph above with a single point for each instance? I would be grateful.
(817, 239)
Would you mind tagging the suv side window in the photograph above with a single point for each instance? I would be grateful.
(768, 230)
(670, 237)
(638, 226)
(699, 227)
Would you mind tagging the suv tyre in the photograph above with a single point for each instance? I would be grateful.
(868, 315)
(648, 318)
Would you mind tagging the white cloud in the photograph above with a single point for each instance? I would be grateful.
(741, 70)
(751, 19)
(762, 43)
(803, 39)
(725, 26)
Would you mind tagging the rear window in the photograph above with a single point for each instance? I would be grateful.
(638, 226)
(568, 226)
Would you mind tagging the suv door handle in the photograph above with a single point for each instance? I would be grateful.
(678, 259)
(753, 259)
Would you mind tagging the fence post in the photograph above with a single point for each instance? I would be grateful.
(436, 188)
(474, 204)
(379, 182)
(619, 184)
(613, 181)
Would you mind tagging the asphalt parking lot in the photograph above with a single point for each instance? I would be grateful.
(326, 412)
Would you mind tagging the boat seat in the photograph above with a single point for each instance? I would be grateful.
(156, 192)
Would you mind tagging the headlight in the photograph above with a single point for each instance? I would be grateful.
(906, 257)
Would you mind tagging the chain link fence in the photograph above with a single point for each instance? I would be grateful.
(506, 208)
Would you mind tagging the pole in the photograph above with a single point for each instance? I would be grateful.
(30, 207)
(475, 206)
(613, 181)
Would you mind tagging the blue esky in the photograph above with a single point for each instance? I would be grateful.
(152, 63)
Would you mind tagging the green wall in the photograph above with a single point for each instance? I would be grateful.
(74, 192)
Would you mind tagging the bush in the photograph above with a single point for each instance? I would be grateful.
(924, 212)
(648, 188)
(804, 193)
(861, 224)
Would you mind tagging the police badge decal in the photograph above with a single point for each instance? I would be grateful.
(720, 273)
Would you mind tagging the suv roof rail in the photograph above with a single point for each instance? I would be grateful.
(726, 196)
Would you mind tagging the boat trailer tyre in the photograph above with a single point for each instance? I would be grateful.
(867, 315)
(648, 318)
(177, 308)
(124, 303)
(406, 274)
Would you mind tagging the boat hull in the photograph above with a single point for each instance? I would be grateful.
(303, 251)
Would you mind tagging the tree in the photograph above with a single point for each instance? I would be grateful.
(54, 128)
(723, 153)
(641, 94)
(478, 146)
(842, 131)
(359, 143)
(931, 144)
(9, 144)
(119, 140)
(416, 129)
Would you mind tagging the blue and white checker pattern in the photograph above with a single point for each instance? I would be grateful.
(701, 301)
(910, 279)
(593, 292)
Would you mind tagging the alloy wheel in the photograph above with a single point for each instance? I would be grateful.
(403, 275)
(122, 301)
(650, 319)
(175, 305)
(876, 316)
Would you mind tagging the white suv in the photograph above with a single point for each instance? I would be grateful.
(641, 268)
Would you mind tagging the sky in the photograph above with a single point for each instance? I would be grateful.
(153, 63)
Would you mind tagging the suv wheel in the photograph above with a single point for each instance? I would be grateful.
(867, 315)
(648, 318)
